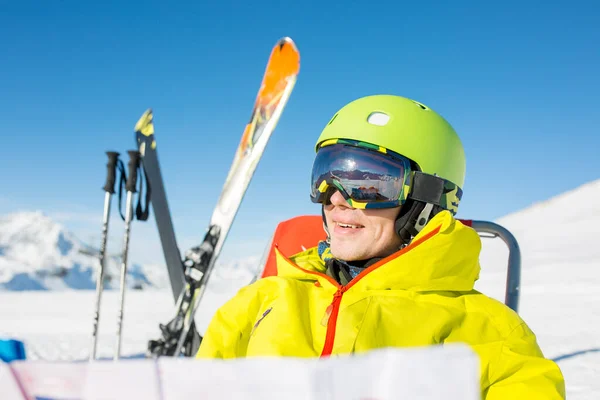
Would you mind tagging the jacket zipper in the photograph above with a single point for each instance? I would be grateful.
(332, 311)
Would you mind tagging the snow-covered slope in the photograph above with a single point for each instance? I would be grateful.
(37, 253)
(560, 245)
(560, 280)
(563, 228)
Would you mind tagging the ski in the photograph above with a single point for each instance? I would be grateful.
(277, 84)
(144, 135)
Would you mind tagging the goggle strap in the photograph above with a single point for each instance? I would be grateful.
(432, 190)
(427, 188)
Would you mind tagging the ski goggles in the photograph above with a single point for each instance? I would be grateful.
(368, 176)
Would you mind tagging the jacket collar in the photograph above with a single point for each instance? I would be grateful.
(443, 256)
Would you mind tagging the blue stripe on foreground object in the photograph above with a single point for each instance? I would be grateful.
(11, 350)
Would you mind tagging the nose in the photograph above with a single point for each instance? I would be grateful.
(338, 200)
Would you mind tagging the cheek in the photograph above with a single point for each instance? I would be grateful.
(385, 229)
(328, 219)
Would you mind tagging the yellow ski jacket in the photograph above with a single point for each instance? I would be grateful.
(418, 296)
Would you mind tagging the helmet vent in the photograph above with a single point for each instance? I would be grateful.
(421, 105)
(378, 118)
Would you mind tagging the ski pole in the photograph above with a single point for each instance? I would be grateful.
(109, 189)
(134, 162)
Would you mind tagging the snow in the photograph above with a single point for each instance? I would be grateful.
(560, 288)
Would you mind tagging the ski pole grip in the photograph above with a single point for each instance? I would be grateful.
(134, 163)
(111, 171)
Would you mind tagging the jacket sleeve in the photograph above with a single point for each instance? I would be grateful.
(522, 372)
(228, 332)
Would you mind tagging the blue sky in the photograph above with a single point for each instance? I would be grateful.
(518, 82)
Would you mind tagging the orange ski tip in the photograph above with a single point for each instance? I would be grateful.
(281, 72)
(287, 41)
(285, 57)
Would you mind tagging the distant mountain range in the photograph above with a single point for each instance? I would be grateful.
(36, 253)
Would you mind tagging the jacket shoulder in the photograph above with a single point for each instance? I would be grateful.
(502, 317)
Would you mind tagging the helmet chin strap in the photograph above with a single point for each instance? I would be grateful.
(413, 217)
(424, 217)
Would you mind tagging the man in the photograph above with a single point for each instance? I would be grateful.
(396, 270)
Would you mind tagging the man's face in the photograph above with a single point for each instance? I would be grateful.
(360, 234)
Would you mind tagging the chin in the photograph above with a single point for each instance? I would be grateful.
(346, 254)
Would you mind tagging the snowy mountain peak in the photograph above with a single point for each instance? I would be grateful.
(25, 234)
(37, 253)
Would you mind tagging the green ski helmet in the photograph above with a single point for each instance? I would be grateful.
(416, 132)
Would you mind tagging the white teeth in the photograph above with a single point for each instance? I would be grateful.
(348, 226)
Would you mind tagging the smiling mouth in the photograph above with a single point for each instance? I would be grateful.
(341, 225)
